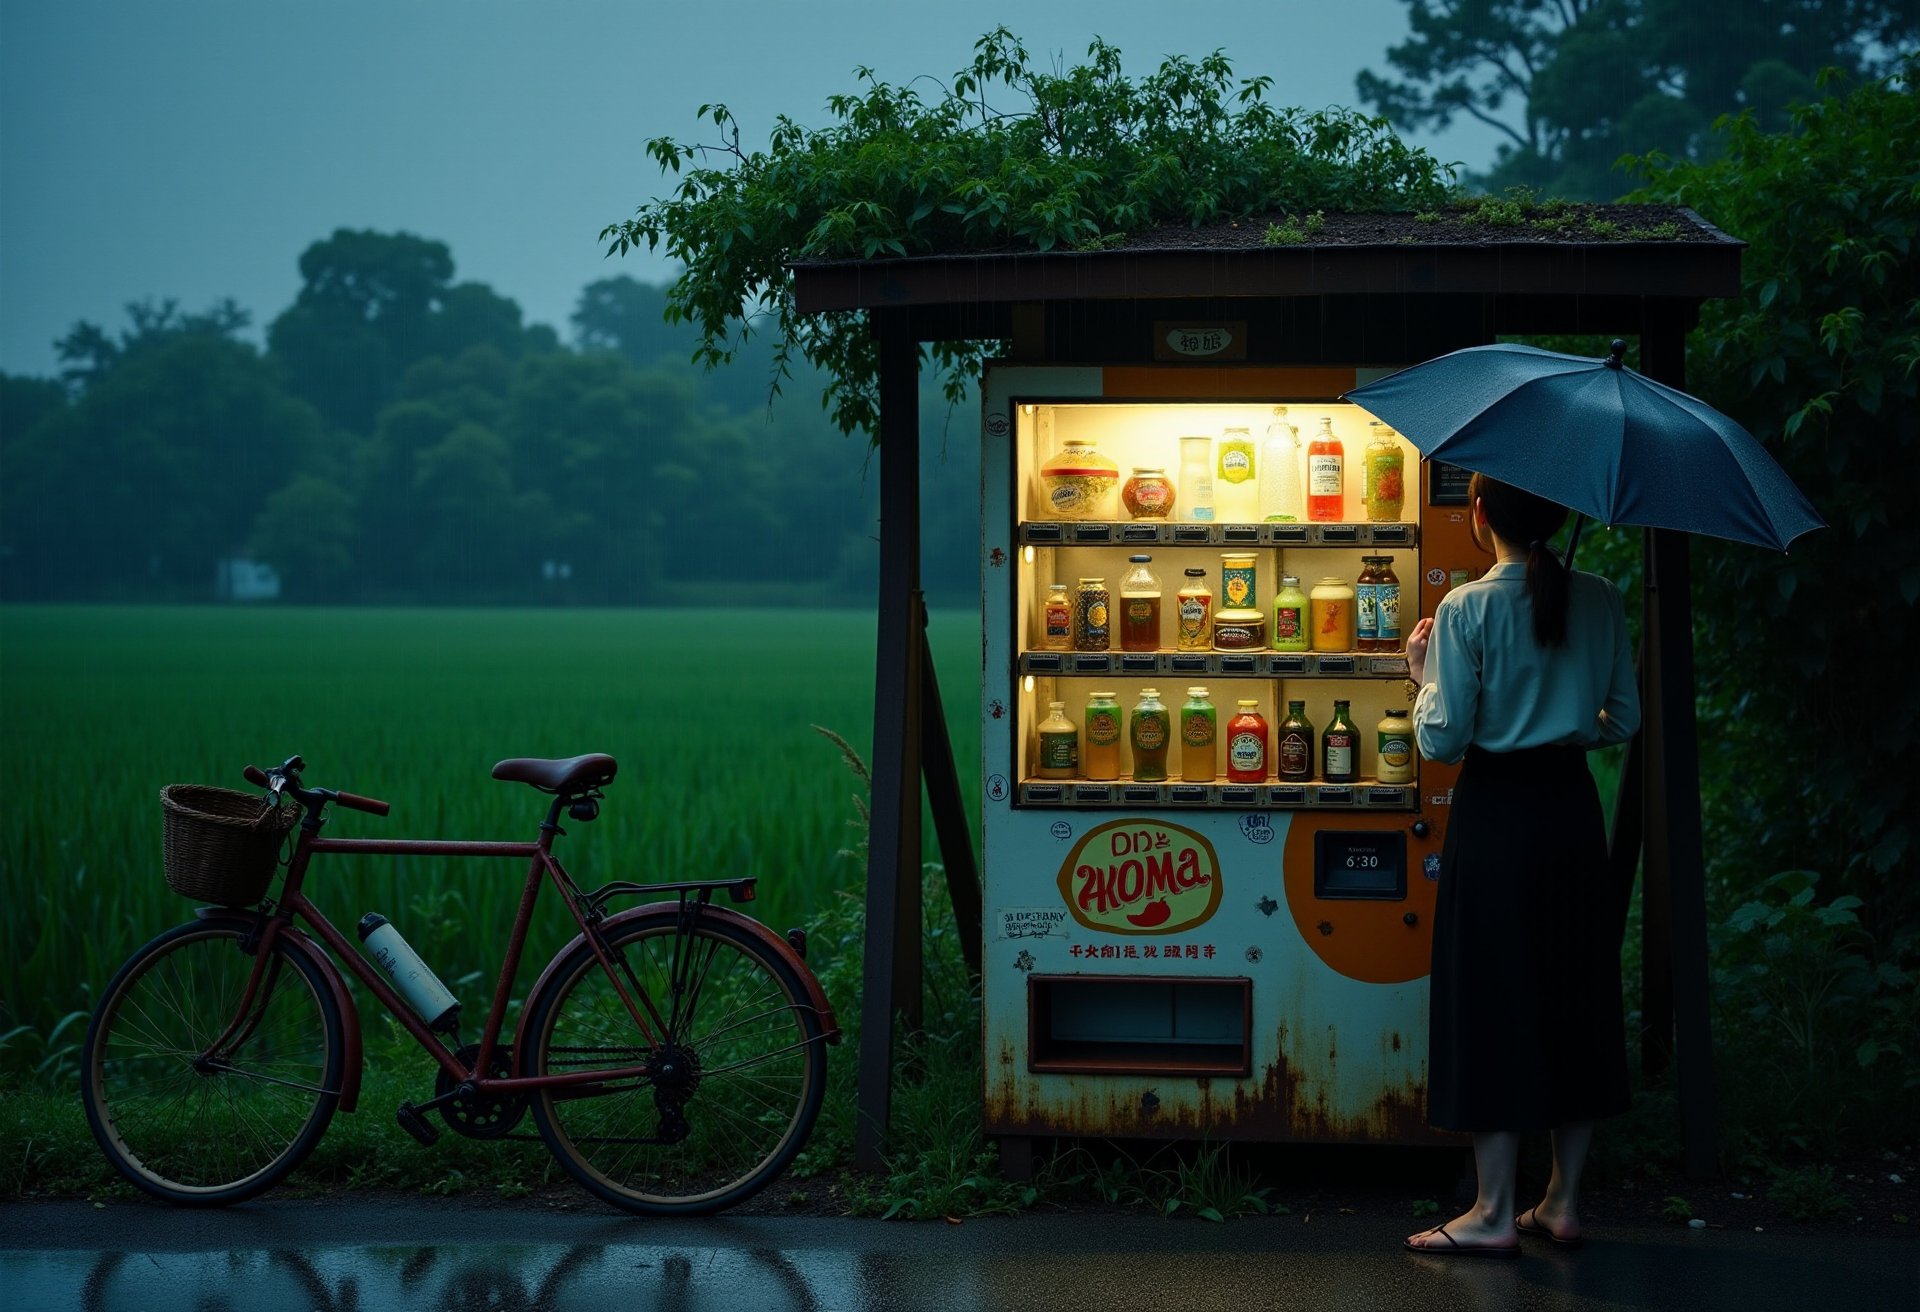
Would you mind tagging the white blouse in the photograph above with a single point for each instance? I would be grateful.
(1490, 685)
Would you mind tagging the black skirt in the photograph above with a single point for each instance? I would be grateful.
(1526, 1024)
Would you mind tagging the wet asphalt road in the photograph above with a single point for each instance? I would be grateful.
(331, 1254)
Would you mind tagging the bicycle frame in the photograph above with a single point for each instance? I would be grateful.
(542, 865)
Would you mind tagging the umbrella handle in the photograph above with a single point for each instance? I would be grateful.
(1573, 540)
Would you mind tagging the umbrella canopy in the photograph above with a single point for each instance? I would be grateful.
(1595, 436)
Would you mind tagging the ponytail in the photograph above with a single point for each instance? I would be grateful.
(1520, 516)
(1547, 590)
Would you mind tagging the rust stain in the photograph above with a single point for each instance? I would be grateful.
(1333, 1045)
(1396, 1043)
(1006, 1052)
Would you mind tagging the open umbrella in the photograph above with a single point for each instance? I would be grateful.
(1595, 436)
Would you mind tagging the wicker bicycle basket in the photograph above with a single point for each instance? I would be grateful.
(220, 845)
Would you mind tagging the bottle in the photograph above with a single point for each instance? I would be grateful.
(1194, 631)
(1247, 744)
(1366, 605)
(1149, 733)
(1326, 476)
(1195, 493)
(1396, 749)
(1233, 476)
(1332, 606)
(1339, 748)
(1092, 624)
(1386, 600)
(1293, 749)
(417, 983)
(1059, 745)
(1199, 738)
(1101, 758)
(1078, 482)
(1056, 620)
(1385, 489)
(1281, 498)
(1292, 629)
(1140, 607)
(1148, 494)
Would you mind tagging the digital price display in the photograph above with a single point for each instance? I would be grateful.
(1360, 864)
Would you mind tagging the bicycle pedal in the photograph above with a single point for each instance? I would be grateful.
(414, 1123)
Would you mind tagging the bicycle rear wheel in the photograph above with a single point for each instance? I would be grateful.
(205, 1132)
(733, 1086)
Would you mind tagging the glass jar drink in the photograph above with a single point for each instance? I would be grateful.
(1395, 765)
(1199, 738)
(1386, 605)
(1056, 619)
(1140, 606)
(1148, 494)
(1149, 733)
(1282, 499)
(1385, 489)
(1239, 581)
(1326, 476)
(1100, 756)
(1247, 744)
(1092, 621)
(1293, 746)
(1340, 748)
(1059, 744)
(1236, 456)
(1366, 604)
(1194, 625)
(1332, 608)
(1292, 623)
(1195, 493)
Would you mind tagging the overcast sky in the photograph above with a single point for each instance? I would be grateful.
(193, 148)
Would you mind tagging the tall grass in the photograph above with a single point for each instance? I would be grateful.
(708, 713)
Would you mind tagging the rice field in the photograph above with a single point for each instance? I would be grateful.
(708, 712)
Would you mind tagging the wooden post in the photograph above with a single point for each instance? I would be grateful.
(892, 968)
(1674, 848)
(949, 812)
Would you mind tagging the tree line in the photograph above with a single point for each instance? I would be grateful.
(403, 437)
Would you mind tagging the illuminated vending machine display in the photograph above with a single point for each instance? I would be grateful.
(1210, 846)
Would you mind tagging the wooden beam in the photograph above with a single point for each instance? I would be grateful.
(949, 812)
(1669, 583)
(892, 966)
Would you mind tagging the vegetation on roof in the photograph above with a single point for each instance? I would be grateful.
(1002, 156)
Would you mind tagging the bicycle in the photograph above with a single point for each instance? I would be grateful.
(672, 1054)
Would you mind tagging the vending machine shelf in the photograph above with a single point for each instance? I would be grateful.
(1244, 665)
(1102, 533)
(1366, 795)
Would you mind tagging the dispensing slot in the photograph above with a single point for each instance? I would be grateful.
(1192, 533)
(1132, 1023)
(1093, 532)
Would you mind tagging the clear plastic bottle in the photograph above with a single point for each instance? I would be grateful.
(1193, 498)
(1282, 499)
(1140, 606)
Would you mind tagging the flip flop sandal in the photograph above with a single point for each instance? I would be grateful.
(1527, 1226)
(1458, 1249)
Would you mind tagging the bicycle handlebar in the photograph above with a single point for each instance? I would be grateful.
(287, 776)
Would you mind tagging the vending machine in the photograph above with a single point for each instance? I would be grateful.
(1207, 899)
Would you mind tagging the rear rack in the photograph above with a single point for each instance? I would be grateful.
(702, 890)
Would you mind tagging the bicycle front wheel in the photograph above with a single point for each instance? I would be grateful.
(733, 1083)
(192, 1127)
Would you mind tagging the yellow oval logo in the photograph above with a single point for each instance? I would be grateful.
(1141, 877)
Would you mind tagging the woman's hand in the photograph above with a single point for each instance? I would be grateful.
(1417, 649)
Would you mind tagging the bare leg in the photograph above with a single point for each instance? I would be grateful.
(1490, 1219)
(1559, 1211)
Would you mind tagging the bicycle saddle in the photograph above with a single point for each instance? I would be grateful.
(574, 774)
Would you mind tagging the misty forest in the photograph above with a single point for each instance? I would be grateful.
(404, 437)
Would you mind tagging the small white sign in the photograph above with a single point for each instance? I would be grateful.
(1033, 922)
(1198, 341)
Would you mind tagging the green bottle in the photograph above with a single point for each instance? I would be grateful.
(1199, 738)
(1149, 733)
(1290, 608)
(1340, 748)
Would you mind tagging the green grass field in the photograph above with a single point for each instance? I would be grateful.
(708, 713)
